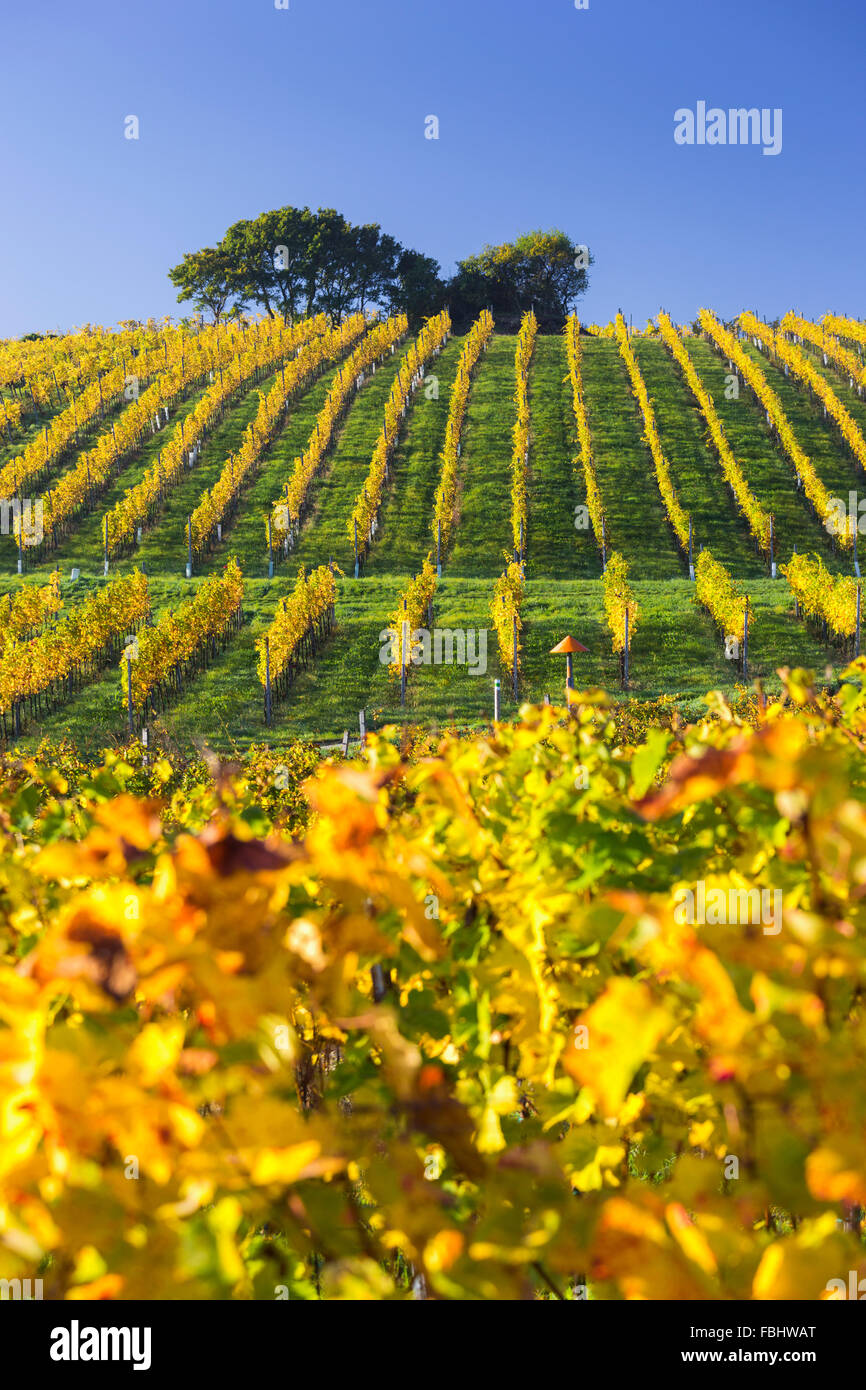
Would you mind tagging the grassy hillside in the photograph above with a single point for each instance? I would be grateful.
(405, 537)
(484, 496)
(632, 503)
(676, 650)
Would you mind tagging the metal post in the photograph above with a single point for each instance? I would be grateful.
(569, 671)
(189, 547)
(857, 647)
(691, 555)
(129, 691)
(270, 550)
(514, 651)
(497, 701)
(381, 980)
(772, 548)
(357, 563)
(404, 655)
(105, 543)
(439, 550)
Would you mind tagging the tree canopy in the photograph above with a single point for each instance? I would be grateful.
(544, 271)
(294, 261)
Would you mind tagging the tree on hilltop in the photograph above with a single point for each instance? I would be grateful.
(544, 271)
(293, 261)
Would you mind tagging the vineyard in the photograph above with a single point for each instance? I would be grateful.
(356, 945)
(443, 1023)
(518, 466)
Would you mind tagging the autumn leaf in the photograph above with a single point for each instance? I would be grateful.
(622, 1027)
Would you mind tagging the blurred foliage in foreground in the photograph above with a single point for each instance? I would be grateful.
(556, 1084)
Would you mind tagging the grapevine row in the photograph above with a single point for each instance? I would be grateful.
(412, 613)
(574, 354)
(822, 596)
(446, 493)
(759, 521)
(74, 491)
(428, 344)
(140, 503)
(286, 514)
(618, 599)
(831, 348)
(89, 637)
(304, 620)
(27, 610)
(805, 371)
(508, 596)
(852, 329)
(729, 345)
(717, 591)
(189, 360)
(182, 642)
(677, 516)
(13, 416)
(218, 501)
(37, 369)
(520, 434)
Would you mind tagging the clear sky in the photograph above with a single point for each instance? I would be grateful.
(549, 117)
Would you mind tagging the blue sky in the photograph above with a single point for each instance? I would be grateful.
(549, 117)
